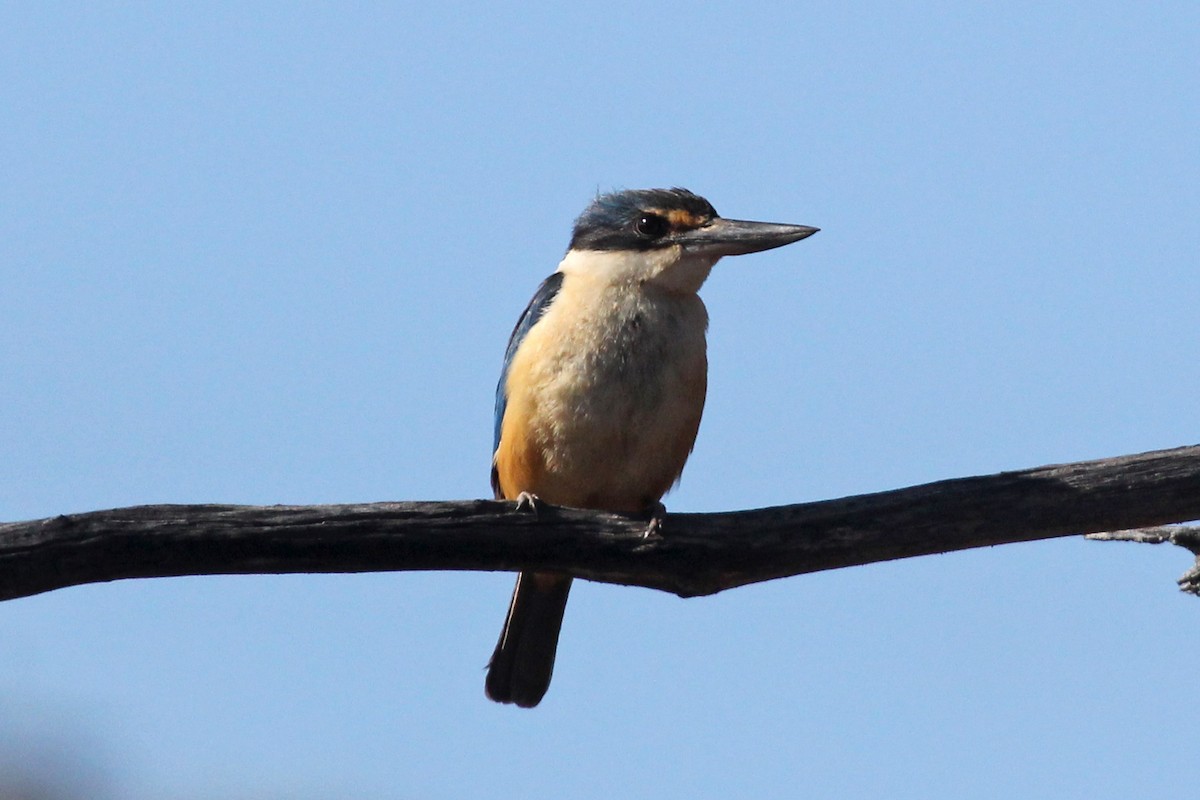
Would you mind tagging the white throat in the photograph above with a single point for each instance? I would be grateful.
(669, 268)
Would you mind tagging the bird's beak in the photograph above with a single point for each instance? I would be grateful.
(735, 237)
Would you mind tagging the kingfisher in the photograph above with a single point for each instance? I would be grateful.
(603, 385)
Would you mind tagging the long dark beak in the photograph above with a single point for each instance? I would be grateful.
(735, 237)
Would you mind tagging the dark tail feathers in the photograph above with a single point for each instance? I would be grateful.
(523, 662)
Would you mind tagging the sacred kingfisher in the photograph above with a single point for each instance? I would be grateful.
(603, 385)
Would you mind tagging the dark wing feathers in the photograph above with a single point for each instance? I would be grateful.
(541, 301)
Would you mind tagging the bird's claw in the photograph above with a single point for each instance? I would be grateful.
(527, 501)
(655, 528)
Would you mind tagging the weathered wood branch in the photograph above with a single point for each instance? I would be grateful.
(695, 554)
(1185, 536)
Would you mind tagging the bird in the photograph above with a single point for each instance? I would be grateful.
(603, 385)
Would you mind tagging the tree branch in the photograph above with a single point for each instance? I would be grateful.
(1185, 536)
(695, 554)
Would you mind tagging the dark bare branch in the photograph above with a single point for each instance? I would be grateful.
(695, 553)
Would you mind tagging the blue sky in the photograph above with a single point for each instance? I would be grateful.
(271, 253)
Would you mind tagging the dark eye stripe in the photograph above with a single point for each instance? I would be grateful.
(651, 226)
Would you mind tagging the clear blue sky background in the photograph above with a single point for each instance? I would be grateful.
(270, 253)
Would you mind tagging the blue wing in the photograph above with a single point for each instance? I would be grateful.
(541, 301)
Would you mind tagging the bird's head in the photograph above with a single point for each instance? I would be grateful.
(668, 237)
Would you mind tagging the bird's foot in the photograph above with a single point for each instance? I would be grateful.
(527, 501)
(658, 513)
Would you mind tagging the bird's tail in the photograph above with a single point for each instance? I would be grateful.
(523, 662)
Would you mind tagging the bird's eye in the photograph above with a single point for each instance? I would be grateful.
(651, 226)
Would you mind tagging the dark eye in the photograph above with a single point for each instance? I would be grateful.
(651, 226)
